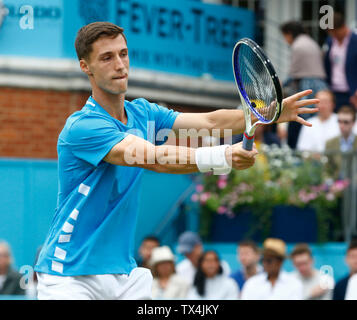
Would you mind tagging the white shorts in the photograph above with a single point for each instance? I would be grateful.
(135, 286)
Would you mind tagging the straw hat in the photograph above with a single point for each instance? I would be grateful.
(276, 247)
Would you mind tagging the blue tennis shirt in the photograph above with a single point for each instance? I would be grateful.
(92, 231)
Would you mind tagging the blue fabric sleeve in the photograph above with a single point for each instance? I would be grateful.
(91, 139)
(164, 119)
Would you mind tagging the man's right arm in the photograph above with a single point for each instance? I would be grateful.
(137, 152)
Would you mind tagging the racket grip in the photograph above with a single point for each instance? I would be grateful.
(248, 142)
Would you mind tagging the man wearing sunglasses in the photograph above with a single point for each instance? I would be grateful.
(342, 144)
(274, 283)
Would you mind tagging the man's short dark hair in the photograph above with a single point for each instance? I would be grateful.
(249, 243)
(338, 20)
(90, 33)
(301, 248)
(352, 245)
(294, 28)
(348, 110)
(151, 238)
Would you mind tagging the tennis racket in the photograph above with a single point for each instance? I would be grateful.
(258, 86)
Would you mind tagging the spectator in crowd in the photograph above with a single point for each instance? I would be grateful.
(210, 283)
(324, 125)
(190, 245)
(273, 283)
(341, 61)
(344, 142)
(147, 245)
(166, 283)
(351, 291)
(248, 256)
(9, 278)
(316, 286)
(339, 291)
(306, 69)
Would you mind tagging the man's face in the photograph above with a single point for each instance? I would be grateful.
(303, 263)
(247, 256)
(326, 104)
(271, 264)
(288, 38)
(5, 259)
(346, 123)
(108, 65)
(339, 34)
(351, 260)
(146, 248)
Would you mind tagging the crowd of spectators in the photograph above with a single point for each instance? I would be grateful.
(331, 72)
(202, 274)
(189, 272)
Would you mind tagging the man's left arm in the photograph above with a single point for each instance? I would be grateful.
(234, 119)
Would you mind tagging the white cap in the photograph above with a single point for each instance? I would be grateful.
(161, 254)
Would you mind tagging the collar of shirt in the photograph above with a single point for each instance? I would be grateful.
(347, 144)
(95, 106)
(344, 43)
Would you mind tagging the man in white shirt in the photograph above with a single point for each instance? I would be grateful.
(324, 125)
(317, 285)
(273, 283)
(351, 291)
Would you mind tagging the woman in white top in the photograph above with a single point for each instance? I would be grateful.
(210, 283)
(166, 283)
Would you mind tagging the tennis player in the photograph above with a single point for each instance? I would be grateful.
(102, 151)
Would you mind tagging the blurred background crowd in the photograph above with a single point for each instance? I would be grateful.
(189, 271)
(41, 85)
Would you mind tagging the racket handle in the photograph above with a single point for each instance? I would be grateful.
(248, 142)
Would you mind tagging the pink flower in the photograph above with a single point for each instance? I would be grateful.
(199, 188)
(221, 210)
(195, 197)
(204, 197)
(339, 185)
(221, 184)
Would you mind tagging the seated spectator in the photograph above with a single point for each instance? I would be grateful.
(166, 283)
(316, 286)
(273, 283)
(344, 142)
(145, 249)
(210, 283)
(190, 245)
(351, 291)
(248, 255)
(324, 125)
(339, 292)
(306, 69)
(9, 278)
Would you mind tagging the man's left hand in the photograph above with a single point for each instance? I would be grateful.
(293, 107)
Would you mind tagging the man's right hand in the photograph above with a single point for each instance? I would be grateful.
(240, 158)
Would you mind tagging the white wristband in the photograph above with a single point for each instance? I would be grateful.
(213, 159)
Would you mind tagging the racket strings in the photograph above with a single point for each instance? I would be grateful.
(257, 83)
